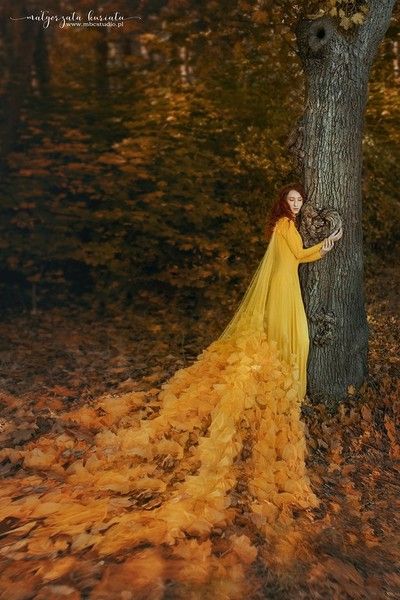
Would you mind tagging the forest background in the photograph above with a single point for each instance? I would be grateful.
(138, 164)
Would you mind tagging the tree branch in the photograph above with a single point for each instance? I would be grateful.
(372, 31)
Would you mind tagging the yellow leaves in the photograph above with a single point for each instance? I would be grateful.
(85, 415)
(169, 447)
(349, 13)
(119, 406)
(22, 507)
(345, 22)
(266, 509)
(242, 546)
(131, 529)
(46, 508)
(148, 483)
(107, 439)
(358, 18)
(37, 459)
(84, 540)
(193, 550)
(316, 15)
(40, 546)
(119, 488)
(118, 493)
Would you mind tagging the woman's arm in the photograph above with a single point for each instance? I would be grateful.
(293, 239)
(316, 255)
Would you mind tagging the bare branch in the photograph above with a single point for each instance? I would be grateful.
(372, 31)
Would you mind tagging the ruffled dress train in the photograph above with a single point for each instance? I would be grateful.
(222, 438)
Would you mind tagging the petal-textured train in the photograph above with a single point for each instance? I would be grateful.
(223, 434)
(232, 418)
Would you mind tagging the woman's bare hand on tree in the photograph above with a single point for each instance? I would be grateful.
(336, 235)
(327, 245)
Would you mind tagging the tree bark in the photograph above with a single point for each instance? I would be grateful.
(327, 145)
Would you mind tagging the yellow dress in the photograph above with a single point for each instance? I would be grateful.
(285, 319)
(222, 438)
(273, 303)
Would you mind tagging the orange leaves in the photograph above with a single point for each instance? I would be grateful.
(393, 437)
(193, 562)
(57, 568)
(199, 421)
(38, 459)
(193, 550)
(343, 576)
(140, 577)
(242, 546)
(129, 530)
(179, 466)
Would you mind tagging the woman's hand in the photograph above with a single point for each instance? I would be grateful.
(327, 245)
(336, 235)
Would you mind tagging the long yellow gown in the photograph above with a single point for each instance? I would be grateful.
(221, 438)
(273, 301)
(285, 319)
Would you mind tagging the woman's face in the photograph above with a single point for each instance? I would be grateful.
(295, 201)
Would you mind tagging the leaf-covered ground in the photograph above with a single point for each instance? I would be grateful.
(62, 361)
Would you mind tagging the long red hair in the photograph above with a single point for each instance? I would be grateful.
(281, 208)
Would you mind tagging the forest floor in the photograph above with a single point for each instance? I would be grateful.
(65, 358)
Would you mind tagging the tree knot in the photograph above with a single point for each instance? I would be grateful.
(317, 223)
(313, 36)
(324, 322)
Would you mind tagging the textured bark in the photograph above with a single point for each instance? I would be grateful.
(327, 146)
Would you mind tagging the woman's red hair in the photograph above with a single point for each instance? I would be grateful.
(281, 208)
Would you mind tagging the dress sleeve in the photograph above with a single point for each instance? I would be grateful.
(293, 239)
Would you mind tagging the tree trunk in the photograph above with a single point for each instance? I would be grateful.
(328, 146)
(41, 80)
(18, 40)
(102, 56)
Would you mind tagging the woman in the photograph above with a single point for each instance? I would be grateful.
(285, 319)
(273, 301)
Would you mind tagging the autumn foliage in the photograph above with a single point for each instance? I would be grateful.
(94, 494)
(137, 170)
(153, 162)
